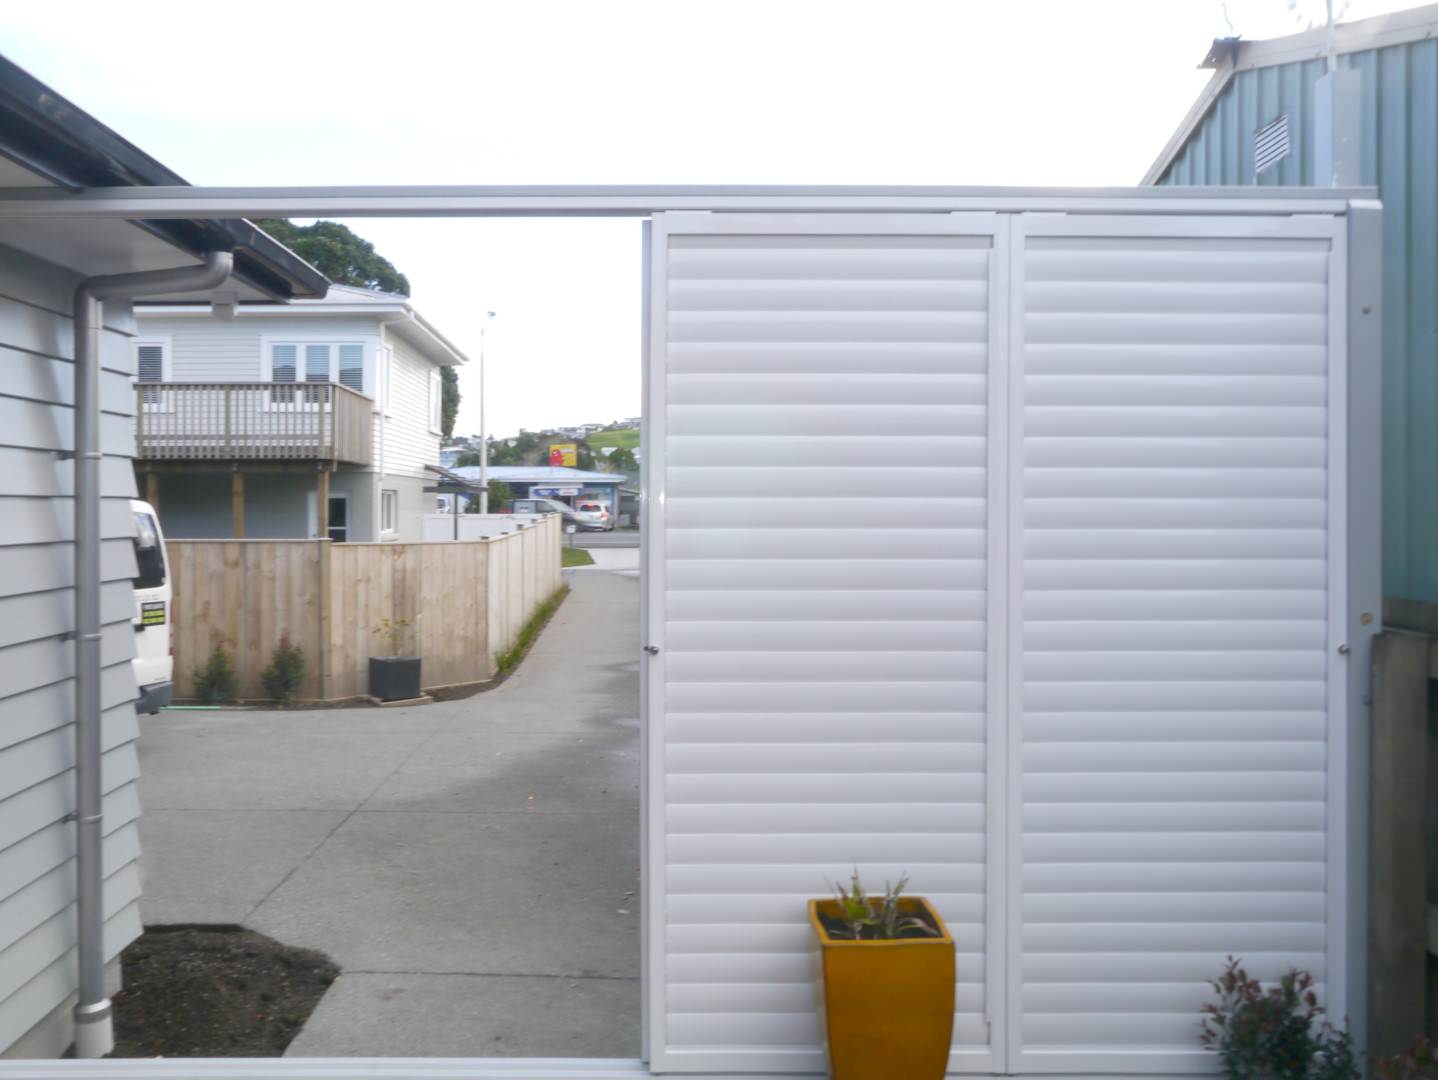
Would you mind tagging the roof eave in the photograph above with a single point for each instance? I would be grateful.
(60, 142)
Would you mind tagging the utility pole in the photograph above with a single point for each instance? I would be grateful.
(483, 433)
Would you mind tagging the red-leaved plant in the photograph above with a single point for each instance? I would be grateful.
(1274, 1033)
(1419, 1063)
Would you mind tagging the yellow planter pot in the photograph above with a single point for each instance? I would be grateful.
(888, 1005)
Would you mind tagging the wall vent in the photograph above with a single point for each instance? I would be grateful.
(1270, 144)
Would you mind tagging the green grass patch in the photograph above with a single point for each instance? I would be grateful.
(510, 659)
(573, 556)
(627, 438)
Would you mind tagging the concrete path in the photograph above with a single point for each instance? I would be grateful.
(617, 560)
(472, 866)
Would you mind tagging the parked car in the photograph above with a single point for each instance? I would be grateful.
(547, 506)
(154, 662)
(593, 515)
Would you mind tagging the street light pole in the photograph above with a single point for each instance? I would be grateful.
(483, 432)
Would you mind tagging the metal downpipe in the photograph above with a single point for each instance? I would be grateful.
(94, 1029)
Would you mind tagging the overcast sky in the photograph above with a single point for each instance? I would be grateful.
(1060, 92)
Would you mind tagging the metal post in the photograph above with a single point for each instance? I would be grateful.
(483, 433)
(94, 1029)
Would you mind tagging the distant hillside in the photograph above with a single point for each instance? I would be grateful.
(625, 438)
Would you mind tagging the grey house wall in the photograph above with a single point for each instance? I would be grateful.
(198, 506)
(1399, 155)
(37, 872)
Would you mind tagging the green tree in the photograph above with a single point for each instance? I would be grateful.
(469, 457)
(448, 400)
(622, 460)
(339, 253)
(347, 258)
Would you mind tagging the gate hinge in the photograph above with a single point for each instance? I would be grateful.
(652, 650)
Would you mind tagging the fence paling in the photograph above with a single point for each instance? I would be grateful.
(1403, 973)
(463, 604)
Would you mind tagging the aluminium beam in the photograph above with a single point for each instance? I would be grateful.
(197, 203)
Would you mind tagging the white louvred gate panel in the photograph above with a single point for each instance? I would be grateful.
(819, 583)
(1173, 674)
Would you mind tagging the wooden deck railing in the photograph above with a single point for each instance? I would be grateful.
(262, 421)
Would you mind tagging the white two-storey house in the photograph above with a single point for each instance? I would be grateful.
(306, 419)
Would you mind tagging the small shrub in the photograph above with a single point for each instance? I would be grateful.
(394, 632)
(1276, 1033)
(865, 919)
(286, 672)
(215, 683)
(1419, 1063)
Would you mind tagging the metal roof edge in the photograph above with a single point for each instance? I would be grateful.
(1220, 79)
(1374, 32)
(47, 134)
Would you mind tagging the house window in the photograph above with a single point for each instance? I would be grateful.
(436, 393)
(316, 362)
(389, 511)
(351, 362)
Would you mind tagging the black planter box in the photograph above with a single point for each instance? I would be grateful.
(394, 678)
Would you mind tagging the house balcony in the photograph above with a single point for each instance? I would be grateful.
(253, 421)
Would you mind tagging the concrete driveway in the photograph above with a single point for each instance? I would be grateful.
(472, 866)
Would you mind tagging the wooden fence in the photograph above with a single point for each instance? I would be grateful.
(1403, 915)
(464, 603)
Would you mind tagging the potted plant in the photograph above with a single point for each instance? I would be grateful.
(393, 677)
(887, 965)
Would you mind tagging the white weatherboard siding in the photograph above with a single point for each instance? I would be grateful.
(824, 598)
(37, 872)
(1171, 653)
(1003, 550)
(206, 349)
(409, 444)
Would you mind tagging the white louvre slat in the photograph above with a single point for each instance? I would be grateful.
(1169, 664)
(823, 616)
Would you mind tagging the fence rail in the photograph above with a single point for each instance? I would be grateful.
(461, 603)
(253, 421)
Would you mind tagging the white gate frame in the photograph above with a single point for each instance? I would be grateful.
(1355, 563)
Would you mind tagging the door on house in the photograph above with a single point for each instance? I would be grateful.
(339, 518)
(1049, 627)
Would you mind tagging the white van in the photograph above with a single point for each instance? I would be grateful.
(154, 661)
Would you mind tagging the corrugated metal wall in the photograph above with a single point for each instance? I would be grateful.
(1400, 157)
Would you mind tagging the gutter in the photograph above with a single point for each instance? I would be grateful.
(94, 1026)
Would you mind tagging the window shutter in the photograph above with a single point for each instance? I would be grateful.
(352, 367)
(823, 690)
(434, 399)
(1169, 656)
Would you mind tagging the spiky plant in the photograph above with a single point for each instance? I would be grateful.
(866, 918)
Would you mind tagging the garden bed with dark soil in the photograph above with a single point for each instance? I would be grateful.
(215, 991)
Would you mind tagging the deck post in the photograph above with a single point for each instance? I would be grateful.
(152, 488)
(237, 504)
(322, 500)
